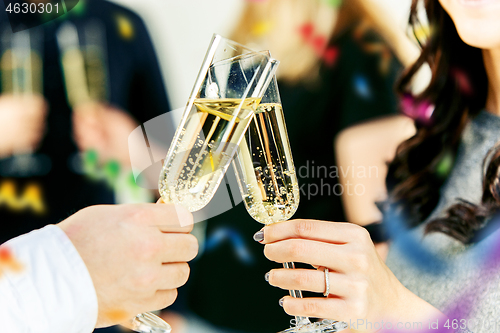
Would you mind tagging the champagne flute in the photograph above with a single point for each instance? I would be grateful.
(268, 182)
(229, 87)
(21, 65)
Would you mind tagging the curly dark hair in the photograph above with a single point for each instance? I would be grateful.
(413, 180)
(464, 219)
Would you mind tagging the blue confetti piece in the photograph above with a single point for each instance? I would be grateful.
(220, 235)
(411, 247)
(362, 86)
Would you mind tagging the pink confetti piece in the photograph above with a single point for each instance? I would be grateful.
(319, 43)
(306, 31)
(331, 55)
(463, 81)
(420, 111)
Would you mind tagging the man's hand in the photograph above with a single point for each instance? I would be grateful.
(136, 255)
(105, 129)
(22, 123)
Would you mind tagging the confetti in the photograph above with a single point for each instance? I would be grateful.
(331, 55)
(361, 86)
(462, 80)
(241, 250)
(333, 3)
(444, 166)
(8, 261)
(409, 245)
(306, 30)
(423, 32)
(319, 44)
(420, 111)
(90, 162)
(262, 28)
(31, 199)
(111, 172)
(125, 27)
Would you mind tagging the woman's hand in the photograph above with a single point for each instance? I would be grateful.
(362, 288)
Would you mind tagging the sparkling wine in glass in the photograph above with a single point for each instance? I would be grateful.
(21, 65)
(268, 182)
(229, 87)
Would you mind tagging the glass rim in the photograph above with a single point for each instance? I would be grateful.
(216, 36)
(230, 41)
(265, 53)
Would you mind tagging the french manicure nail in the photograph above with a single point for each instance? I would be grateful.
(281, 301)
(266, 277)
(259, 236)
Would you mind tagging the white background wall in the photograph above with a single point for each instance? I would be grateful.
(182, 29)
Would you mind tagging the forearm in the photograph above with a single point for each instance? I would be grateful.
(414, 309)
(370, 147)
(385, 21)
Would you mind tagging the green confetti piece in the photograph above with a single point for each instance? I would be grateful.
(334, 3)
(111, 172)
(445, 165)
(90, 157)
(131, 181)
(89, 163)
(112, 169)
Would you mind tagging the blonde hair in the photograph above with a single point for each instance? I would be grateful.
(276, 25)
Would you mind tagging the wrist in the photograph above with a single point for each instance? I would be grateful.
(412, 309)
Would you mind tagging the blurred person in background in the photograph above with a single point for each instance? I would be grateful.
(439, 202)
(64, 141)
(70, 118)
(335, 70)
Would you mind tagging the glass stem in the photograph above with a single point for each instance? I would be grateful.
(299, 321)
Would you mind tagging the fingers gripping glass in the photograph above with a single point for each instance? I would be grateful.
(229, 87)
(268, 182)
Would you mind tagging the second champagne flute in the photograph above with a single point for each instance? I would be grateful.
(268, 182)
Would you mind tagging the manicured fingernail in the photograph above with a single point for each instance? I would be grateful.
(281, 301)
(266, 277)
(259, 236)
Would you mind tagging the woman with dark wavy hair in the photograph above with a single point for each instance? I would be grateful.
(443, 190)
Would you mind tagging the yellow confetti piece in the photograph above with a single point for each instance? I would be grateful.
(423, 32)
(125, 27)
(262, 28)
(31, 199)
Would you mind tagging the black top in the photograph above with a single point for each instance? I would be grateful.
(227, 286)
(134, 84)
